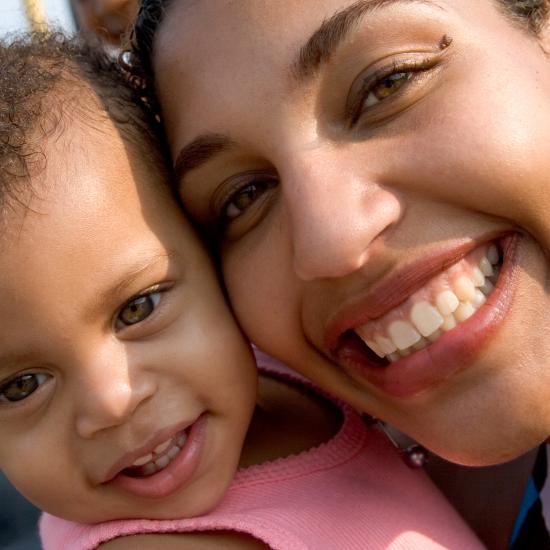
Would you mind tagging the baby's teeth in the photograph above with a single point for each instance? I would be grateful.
(143, 460)
(486, 267)
(434, 336)
(173, 452)
(163, 446)
(404, 352)
(493, 255)
(370, 343)
(464, 289)
(449, 322)
(478, 278)
(163, 461)
(446, 302)
(181, 440)
(385, 344)
(403, 334)
(374, 347)
(149, 469)
(425, 318)
(464, 311)
(393, 357)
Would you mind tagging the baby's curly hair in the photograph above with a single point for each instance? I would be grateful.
(39, 72)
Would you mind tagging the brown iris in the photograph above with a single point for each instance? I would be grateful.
(390, 84)
(137, 310)
(21, 387)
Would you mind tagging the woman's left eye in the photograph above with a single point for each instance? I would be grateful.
(385, 87)
(138, 309)
(371, 90)
(21, 387)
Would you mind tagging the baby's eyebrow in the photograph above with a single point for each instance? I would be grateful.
(321, 45)
(11, 361)
(134, 272)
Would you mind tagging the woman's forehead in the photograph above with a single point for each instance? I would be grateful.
(212, 56)
(255, 38)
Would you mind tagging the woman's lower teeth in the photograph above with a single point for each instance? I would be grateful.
(446, 301)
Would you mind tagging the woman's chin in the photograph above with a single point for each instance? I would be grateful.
(492, 447)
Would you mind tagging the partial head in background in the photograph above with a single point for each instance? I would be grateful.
(375, 174)
(108, 19)
(125, 386)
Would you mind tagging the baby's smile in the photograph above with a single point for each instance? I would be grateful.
(158, 458)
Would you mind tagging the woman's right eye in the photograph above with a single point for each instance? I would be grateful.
(22, 386)
(243, 198)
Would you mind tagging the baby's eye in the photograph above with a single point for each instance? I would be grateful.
(244, 197)
(385, 87)
(21, 387)
(138, 309)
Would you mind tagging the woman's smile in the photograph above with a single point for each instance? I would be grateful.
(418, 332)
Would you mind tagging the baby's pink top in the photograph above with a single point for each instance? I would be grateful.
(352, 492)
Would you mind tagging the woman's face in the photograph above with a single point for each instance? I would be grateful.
(376, 176)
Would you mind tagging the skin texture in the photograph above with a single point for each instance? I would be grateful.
(342, 201)
(98, 232)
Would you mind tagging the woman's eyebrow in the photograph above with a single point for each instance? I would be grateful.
(325, 40)
(202, 149)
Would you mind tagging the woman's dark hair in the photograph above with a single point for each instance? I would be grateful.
(42, 73)
(530, 14)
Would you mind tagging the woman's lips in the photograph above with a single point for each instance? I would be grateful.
(178, 473)
(451, 352)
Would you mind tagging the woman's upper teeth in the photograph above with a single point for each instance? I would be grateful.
(446, 300)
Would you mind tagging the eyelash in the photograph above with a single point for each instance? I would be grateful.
(356, 109)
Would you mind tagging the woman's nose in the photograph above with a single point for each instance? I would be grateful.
(110, 392)
(335, 217)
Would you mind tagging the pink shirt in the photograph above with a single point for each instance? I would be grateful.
(352, 492)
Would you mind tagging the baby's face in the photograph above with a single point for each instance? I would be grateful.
(125, 386)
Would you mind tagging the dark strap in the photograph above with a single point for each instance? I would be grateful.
(530, 531)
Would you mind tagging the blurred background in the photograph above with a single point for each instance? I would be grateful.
(109, 19)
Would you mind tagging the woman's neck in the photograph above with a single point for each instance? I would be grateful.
(487, 498)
